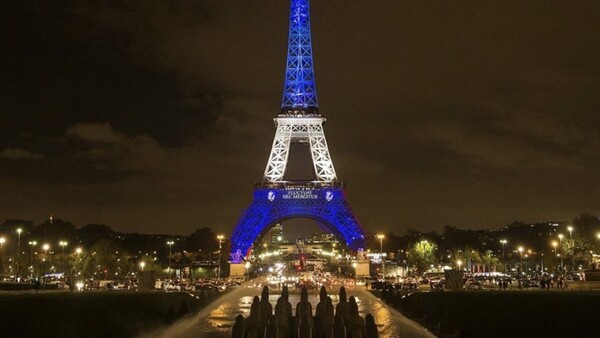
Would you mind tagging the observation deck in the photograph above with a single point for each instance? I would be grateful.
(299, 184)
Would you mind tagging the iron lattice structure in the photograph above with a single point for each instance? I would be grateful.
(299, 94)
(300, 130)
(328, 206)
(276, 199)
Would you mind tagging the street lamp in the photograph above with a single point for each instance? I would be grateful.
(570, 228)
(2, 241)
(46, 247)
(554, 245)
(503, 242)
(247, 266)
(521, 252)
(78, 251)
(220, 238)
(170, 244)
(62, 245)
(18, 258)
(459, 263)
(381, 237)
(32, 244)
(142, 265)
(560, 238)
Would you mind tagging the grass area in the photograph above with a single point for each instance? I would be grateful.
(92, 314)
(505, 314)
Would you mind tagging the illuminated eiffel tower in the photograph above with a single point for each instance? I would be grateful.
(299, 122)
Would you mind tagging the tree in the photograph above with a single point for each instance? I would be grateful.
(108, 259)
(202, 241)
(423, 254)
(54, 231)
(90, 234)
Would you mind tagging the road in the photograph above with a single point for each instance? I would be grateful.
(216, 319)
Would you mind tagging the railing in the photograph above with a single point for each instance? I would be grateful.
(299, 184)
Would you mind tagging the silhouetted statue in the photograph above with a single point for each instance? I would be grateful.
(339, 328)
(327, 320)
(254, 324)
(342, 308)
(271, 328)
(371, 327)
(266, 309)
(283, 313)
(324, 315)
(355, 327)
(320, 311)
(238, 327)
(304, 320)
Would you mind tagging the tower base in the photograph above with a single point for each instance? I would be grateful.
(236, 270)
(362, 270)
(325, 203)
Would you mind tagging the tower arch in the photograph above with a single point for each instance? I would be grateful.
(275, 203)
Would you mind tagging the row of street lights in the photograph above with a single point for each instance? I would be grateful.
(170, 243)
(555, 245)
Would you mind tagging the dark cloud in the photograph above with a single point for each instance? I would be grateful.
(156, 116)
(19, 154)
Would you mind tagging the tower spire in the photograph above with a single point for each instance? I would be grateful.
(299, 93)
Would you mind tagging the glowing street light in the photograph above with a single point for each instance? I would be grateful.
(2, 241)
(459, 263)
(220, 238)
(521, 249)
(142, 265)
(18, 258)
(32, 244)
(503, 242)
(62, 245)
(570, 228)
(554, 246)
(381, 237)
(247, 266)
(78, 251)
(170, 244)
(46, 247)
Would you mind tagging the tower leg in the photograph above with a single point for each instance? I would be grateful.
(320, 154)
(279, 154)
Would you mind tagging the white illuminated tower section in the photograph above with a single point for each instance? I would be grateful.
(299, 120)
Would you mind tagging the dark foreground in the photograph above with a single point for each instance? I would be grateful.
(93, 314)
(503, 314)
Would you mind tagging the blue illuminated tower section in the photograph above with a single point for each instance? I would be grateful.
(299, 94)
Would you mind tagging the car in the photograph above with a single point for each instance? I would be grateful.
(381, 285)
(473, 285)
(529, 283)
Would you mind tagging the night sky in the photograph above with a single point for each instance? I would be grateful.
(156, 116)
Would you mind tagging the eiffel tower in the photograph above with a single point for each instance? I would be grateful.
(299, 122)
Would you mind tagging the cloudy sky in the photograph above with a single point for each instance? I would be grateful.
(156, 116)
